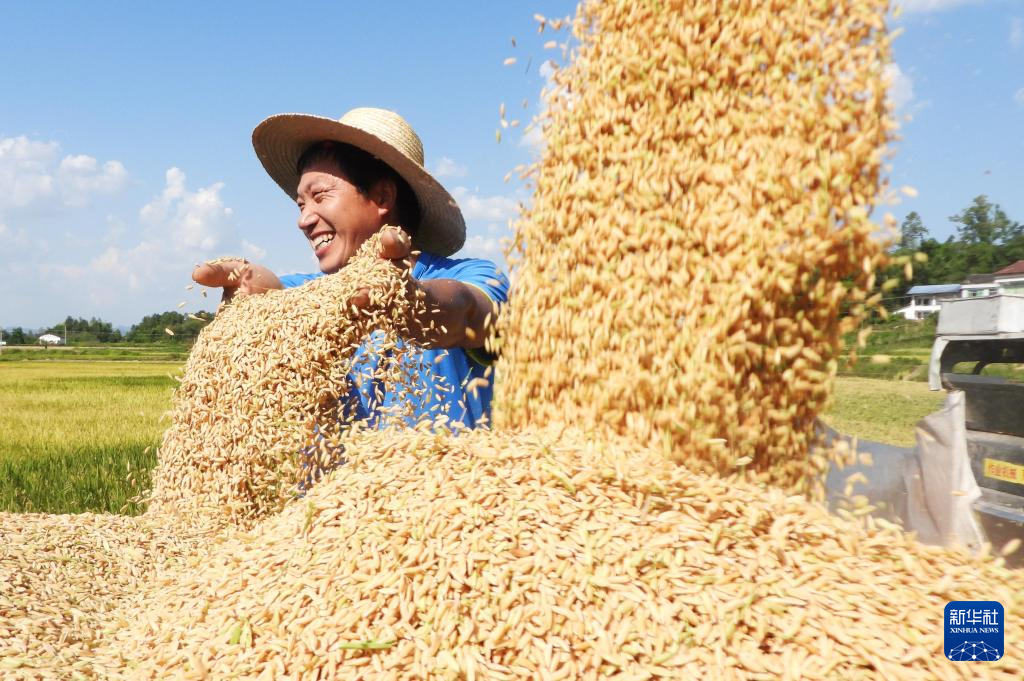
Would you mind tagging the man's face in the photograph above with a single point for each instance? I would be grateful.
(335, 218)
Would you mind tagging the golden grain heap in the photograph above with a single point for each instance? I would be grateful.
(257, 408)
(699, 227)
(66, 579)
(701, 197)
(550, 554)
(255, 416)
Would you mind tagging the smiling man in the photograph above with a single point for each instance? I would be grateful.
(350, 178)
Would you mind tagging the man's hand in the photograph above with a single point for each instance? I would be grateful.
(236, 277)
(451, 313)
(395, 246)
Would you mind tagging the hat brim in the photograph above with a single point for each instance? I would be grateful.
(280, 140)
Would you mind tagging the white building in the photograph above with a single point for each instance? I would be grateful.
(1010, 280)
(926, 300)
(49, 339)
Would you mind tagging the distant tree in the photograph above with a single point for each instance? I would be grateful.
(17, 337)
(153, 328)
(985, 223)
(986, 241)
(912, 232)
(942, 266)
(80, 330)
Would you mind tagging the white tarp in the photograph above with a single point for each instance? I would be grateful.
(941, 489)
(929, 489)
(879, 478)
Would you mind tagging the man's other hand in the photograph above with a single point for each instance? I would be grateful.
(236, 277)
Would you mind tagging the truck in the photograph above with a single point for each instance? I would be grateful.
(979, 349)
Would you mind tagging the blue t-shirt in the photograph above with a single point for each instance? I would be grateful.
(447, 376)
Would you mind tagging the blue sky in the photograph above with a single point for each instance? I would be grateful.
(961, 81)
(125, 152)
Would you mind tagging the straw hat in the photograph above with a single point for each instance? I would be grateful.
(280, 140)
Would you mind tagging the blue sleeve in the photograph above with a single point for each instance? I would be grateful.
(479, 273)
(293, 280)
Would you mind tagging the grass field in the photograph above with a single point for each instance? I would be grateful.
(152, 352)
(69, 430)
(881, 410)
(900, 350)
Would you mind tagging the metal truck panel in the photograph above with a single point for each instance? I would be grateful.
(994, 404)
(997, 462)
(990, 315)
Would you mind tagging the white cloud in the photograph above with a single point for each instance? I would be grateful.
(533, 138)
(480, 246)
(30, 174)
(25, 170)
(11, 241)
(485, 208)
(447, 167)
(487, 241)
(174, 231)
(253, 252)
(195, 223)
(17, 250)
(1018, 97)
(57, 253)
(107, 261)
(924, 6)
(533, 134)
(1016, 32)
(901, 86)
(487, 224)
(81, 177)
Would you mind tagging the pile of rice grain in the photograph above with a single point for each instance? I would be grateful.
(255, 416)
(262, 385)
(64, 579)
(559, 555)
(698, 238)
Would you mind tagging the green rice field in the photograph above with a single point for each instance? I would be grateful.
(72, 431)
(73, 428)
(881, 410)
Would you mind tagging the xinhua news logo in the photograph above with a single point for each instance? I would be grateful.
(974, 631)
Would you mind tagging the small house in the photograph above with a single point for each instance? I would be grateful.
(1009, 280)
(927, 299)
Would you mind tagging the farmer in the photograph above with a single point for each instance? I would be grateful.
(349, 178)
